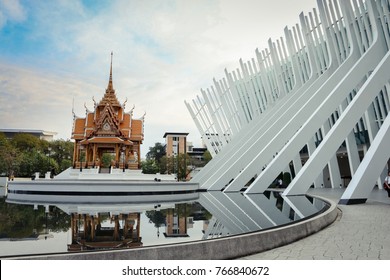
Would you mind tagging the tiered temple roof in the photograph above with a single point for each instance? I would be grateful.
(108, 127)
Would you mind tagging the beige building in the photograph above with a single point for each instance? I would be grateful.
(176, 223)
(176, 143)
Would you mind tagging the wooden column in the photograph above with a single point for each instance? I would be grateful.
(86, 148)
(116, 228)
(73, 225)
(92, 228)
(117, 153)
(126, 155)
(75, 157)
(139, 155)
(138, 225)
(94, 153)
(125, 226)
(85, 226)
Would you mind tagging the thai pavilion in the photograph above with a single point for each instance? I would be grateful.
(108, 129)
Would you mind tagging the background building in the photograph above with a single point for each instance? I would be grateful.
(41, 134)
(176, 143)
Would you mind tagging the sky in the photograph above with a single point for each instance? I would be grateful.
(55, 56)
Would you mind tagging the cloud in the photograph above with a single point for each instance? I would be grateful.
(11, 10)
(40, 100)
(164, 53)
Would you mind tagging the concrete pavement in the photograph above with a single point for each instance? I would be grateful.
(361, 232)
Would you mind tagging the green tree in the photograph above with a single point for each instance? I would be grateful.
(25, 154)
(163, 165)
(207, 156)
(36, 161)
(155, 158)
(156, 217)
(26, 142)
(62, 152)
(156, 152)
(167, 165)
(182, 162)
(21, 221)
(107, 159)
(149, 166)
(10, 157)
(58, 221)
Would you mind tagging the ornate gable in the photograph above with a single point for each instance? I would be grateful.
(108, 123)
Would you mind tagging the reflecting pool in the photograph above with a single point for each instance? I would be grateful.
(41, 227)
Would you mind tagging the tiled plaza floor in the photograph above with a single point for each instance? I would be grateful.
(361, 232)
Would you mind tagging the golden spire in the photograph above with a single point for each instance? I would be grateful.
(110, 86)
(110, 97)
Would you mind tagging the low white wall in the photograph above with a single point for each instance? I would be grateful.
(2, 191)
(116, 174)
(3, 186)
(3, 181)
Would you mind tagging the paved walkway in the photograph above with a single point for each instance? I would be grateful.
(361, 232)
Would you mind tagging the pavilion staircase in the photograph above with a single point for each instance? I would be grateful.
(104, 170)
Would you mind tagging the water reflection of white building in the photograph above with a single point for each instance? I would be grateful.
(235, 213)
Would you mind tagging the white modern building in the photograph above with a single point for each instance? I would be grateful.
(41, 134)
(318, 95)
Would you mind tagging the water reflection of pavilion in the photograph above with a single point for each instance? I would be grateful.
(90, 232)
